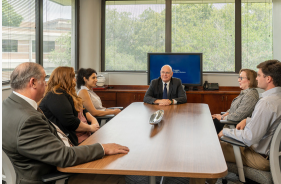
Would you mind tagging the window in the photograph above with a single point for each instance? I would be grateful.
(208, 28)
(58, 34)
(132, 30)
(196, 26)
(18, 29)
(48, 46)
(9, 45)
(256, 33)
(20, 36)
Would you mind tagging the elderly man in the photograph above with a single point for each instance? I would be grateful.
(32, 142)
(165, 90)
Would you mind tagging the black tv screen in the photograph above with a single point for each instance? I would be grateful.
(186, 66)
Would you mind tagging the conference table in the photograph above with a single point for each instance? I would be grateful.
(183, 144)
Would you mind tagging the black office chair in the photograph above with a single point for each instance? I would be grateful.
(270, 177)
(104, 119)
(9, 175)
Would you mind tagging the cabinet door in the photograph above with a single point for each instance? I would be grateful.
(215, 102)
(139, 97)
(125, 99)
(194, 98)
(228, 101)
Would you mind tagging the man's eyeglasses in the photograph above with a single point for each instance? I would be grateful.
(167, 73)
(241, 78)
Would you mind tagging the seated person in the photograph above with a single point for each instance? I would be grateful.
(243, 105)
(63, 107)
(165, 90)
(31, 141)
(256, 132)
(86, 80)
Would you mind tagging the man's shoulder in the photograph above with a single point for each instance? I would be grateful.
(176, 81)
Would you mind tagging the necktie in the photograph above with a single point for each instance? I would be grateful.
(165, 91)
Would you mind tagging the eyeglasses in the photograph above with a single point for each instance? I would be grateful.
(241, 78)
(167, 73)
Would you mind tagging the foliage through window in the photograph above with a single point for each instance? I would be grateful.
(208, 28)
(134, 28)
(257, 35)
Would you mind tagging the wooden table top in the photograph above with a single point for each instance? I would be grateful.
(183, 144)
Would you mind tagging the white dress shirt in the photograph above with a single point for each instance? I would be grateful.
(260, 128)
(168, 84)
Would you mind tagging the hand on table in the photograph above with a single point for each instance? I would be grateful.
(241, 125)
(163, 102)
(112, 149)
(217, 116)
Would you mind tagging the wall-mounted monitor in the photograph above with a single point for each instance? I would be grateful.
(186, 66)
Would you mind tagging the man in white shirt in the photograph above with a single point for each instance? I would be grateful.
(256, 132)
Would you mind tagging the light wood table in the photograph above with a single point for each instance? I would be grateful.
(183, 144)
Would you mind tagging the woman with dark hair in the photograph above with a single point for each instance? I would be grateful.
(62, 106)
(86, 80)
(243, 105)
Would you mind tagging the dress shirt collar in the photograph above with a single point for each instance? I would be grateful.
(30, 101)
(271, 91)
(168, 83)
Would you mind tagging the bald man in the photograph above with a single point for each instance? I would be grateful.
(165, 90)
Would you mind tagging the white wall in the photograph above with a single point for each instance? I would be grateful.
(277, 29)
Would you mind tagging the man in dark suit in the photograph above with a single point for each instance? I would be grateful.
(32, 142)
(165, 90)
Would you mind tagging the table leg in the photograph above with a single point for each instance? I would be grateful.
(152, 180)
(197, 181)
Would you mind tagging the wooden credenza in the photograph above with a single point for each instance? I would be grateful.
(122, 96)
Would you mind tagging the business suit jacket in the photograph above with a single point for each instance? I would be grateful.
(155, 91)
(33, 145)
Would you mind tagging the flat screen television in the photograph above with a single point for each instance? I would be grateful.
(186, 66)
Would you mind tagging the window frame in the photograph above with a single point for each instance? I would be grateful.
(39, 34)
(168, 37)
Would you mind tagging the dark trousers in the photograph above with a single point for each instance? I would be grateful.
(218, 125)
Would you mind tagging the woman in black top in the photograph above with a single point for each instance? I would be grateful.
(63, 107)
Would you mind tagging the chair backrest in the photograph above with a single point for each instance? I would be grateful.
(8, 171)
(275, 155)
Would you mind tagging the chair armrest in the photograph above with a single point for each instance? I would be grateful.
(105, 117)
(55, 176)
(228, 122)
(222, 113)
(232, 141)
(121, 108)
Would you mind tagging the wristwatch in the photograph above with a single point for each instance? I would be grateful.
(171, 102)
(222, 117)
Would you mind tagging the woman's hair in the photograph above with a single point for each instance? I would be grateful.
(251, 76)
(62, 78)
(84, 73)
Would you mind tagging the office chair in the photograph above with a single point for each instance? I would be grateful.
(104, 119)
(268, 177)
(9, 175)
